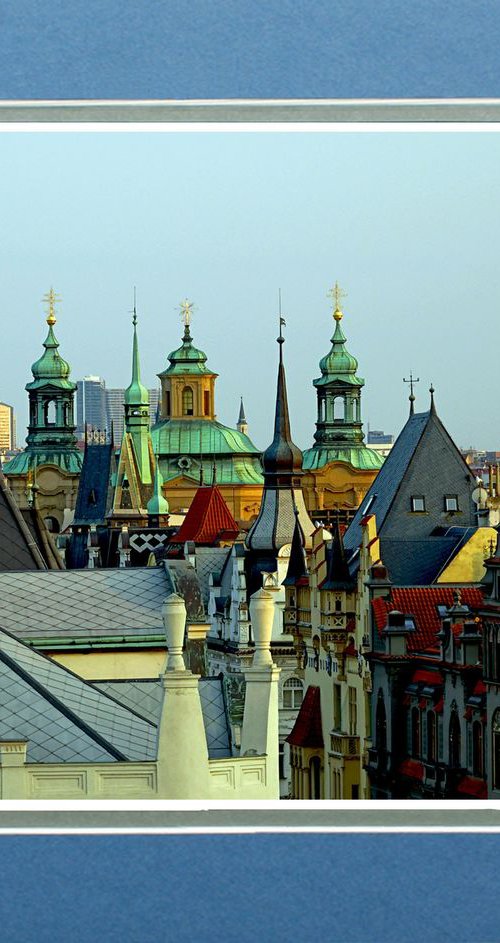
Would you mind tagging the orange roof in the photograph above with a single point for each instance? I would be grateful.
(307, 730)
(421, 602)
(208, 519)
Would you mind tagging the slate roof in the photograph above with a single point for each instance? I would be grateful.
(421, 602)
(63, 718)
(208, 519)
(385, 486)
(19, 549)
(420, 561)
(307, 730)
(93, 498)
(145, 696)
(43, 538)
(84, 605)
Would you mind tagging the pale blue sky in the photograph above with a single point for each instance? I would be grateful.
(407, 222)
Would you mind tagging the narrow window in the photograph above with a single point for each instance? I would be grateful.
(339, 408)
(418, 503)
(416, 747)
(337, 717)
(477, 749)
(206, 402)
(353, 712)
(454, 741)
(187, 401)
(431, 737)
(315, 775)
(293, 692)
(380, 724)
(167, 402)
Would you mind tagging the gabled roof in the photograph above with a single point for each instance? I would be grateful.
(208, 519)
(307, 730)
(19, 548)
(93, 498)
(422, 603)
(385, 486)
(63, 718)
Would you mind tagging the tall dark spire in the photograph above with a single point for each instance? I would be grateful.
(282, 460)
(433, 405)
(297, 566)
(338, 576)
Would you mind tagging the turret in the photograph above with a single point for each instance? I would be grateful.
(242, 425)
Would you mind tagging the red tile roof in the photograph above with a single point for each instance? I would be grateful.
(208, 519)
(421, 602)
(307, 731)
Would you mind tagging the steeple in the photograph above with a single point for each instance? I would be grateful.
(297, 565)
(136, 401)
(339, 431)
(282, 495)
(338, 576)
(242, 425)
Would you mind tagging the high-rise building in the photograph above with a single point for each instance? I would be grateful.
(90, 404)
(115, 410)
(7, 428)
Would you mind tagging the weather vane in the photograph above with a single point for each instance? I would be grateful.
(411, 381)
(336, 294)
(51, 299)
(186, 311)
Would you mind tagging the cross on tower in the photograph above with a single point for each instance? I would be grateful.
(51, 299)
(186, 312)
(411, 381)
(336, 294)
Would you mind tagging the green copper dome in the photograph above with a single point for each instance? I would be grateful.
(188, 447)
(50, 367)
(187, 359)
(338, 364)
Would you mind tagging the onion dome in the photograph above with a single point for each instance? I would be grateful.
(51, 366)
(338, 364)
(187, 359)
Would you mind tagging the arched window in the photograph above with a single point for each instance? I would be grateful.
(66, 414)
(293, 693)
(50, 413)
(52, 524)
(416, 746)
(495, 728)
(431, 737)
(187, 401)
(380, 723)
(454, 740)
(477, 749)
(315, 777)
(339, 407)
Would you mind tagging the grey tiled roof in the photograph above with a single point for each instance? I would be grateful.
(94, 484)
(210, 560)
(81, 604)
(18, 548)
(64, 718)
(388, 480)
(419, 562)
(145, 696)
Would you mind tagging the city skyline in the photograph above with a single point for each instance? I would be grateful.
(405, 221)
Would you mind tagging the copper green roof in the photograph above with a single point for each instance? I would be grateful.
(50, 368)
(157, 503)
(338, 364)
(187, 359)
(184, 446)
(362, 458)
(68, 460)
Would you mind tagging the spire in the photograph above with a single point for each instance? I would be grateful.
(136, 394)
(242, 425)
(433, 405)
(282, 460)
(157, 505)
(338, 576)
(297, 566)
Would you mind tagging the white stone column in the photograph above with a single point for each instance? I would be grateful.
(183, 768)
(260, 731)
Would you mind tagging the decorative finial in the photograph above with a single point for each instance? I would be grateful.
(411, 397)
(282, 323)
(51, 299)
(186, 308)
(432, 391)
(134, 313)
(336, 294)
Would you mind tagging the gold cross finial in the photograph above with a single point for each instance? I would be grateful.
(51, 299)
(336, 294)
(186, 312)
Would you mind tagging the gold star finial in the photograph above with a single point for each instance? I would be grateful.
(51, 299)
(186, 308)
(336, 294)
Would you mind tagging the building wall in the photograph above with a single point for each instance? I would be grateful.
(7, 428)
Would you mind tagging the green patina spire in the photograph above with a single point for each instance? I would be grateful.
(136, 401)
(339, 431)
(157, 504)
(136, 394)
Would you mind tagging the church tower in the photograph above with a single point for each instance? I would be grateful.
(50, 465)
(282, 496)
(340, 466)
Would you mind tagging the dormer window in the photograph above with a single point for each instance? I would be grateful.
(451, 502)
(417, 503)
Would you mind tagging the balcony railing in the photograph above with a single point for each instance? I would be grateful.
(344, 745)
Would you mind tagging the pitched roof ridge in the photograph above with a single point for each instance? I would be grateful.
(21, 523)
